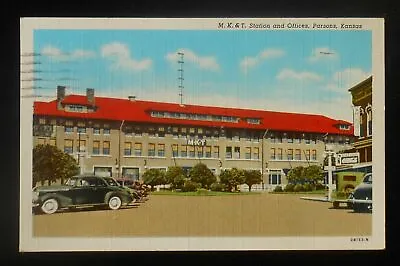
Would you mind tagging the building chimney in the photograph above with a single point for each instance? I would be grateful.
(90, 96)
(132, 98)
(60, 96)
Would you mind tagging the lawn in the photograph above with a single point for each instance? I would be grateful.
(201, 193)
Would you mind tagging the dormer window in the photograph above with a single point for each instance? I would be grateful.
(344, 127)
(253, 121)
(76, 108)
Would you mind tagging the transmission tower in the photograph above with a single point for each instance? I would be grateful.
(180, 78)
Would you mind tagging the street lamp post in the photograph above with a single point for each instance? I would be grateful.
(329, 151)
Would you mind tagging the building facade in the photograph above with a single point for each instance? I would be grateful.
(362, 104)
(125, 137)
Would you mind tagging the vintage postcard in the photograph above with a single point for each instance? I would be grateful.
(202, 134)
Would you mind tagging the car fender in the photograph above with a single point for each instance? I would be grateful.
(63, 201)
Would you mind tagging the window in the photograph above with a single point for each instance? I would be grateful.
(68, 146)
(199, 151)
(314, 139)
(280, 157)
(138, 131)
(228, 152)
(161, 131)
(275, 177)
(307, 139)
(68, 129)
(298, 154)
(96, 130)
(81, 130)
(151, 132)
(184, 151)
(314, 155)
(131, 173)
(42, 121)
(290, 154)
(175, 131)
(237, 152)
(96, 147)
(52, 142)
(192, 130)
(297, 140)
(247, 155)
(272, 139)
(151, 149)
(290, 139)
(82, 146)
(183, 132)
(128, 149)
(191, 151)
(106, 131)
(253, 121)
(161, 150)
(138, 149)
(41, 141)
(279, 138)
(208, 151)
(200, 131)
(216, 151)
(369, 120)
(175, 150)
(103, 171)
(256, 153)
(128, 131)
(272, 154)
(106, 147)
(307, 155)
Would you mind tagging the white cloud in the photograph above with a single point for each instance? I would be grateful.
(345, 79)
(252, 61)
(203, 62)
(323, 53)
(120, 55)
(287, 73)
(57, 54)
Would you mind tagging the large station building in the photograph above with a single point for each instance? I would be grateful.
(125, 137)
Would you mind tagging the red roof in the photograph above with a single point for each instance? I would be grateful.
(139, 111)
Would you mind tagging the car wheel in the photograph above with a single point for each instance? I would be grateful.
(114, 203)
(49, 206)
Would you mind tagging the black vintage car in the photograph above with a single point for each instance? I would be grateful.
(81, 190)
(361, 197)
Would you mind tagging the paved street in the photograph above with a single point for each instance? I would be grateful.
(245, 215)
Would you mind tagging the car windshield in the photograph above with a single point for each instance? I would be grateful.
(111, 182)
(368, 178)
(71, 182)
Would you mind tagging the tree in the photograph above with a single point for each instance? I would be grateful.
(314, 174)
(175, 176)
(231, 178)
(252, 177)
(200, 173)
(49, 164)
(296, 175)
(154, 177)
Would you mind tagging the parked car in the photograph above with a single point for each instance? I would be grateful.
(81, 190)
(361, 198)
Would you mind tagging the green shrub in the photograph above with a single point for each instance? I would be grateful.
(217, 187)
(278, 189)
(190, 186)
(202, 191)
(298, 188)
(289, 188)
(308, 187)
(319, 186)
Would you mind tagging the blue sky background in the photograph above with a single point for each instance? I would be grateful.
(293, 71)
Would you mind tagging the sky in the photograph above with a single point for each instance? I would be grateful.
(289, 71)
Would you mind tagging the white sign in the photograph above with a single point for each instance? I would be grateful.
(356, 120)
(348, 158)
(196, 142)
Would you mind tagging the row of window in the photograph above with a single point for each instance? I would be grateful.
(218, 118)
(292, 154)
